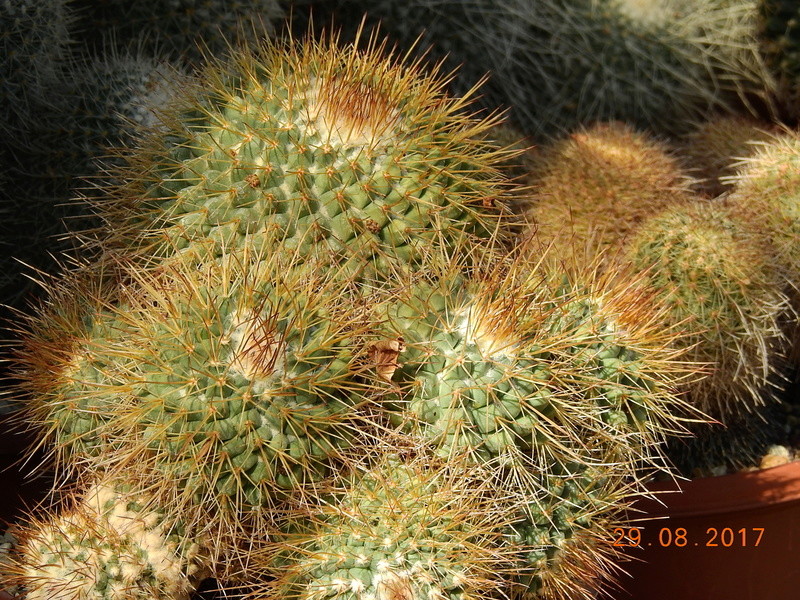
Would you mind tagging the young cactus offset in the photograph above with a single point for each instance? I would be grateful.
(341, 154)
(109, 544)
(404, 529)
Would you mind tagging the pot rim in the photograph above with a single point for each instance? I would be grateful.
(723, 494)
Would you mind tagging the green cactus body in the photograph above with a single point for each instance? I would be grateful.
(112, 545)
(413, 527)
(234, 378)
(593, 188)
(343, 155)
(719, 277)
(508, 368)
(404, 530)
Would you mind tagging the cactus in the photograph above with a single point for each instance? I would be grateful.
(236, 379)
(593, 188)
(407, 525)
(719, 276)
(562, 63)
(766, 191)
(514, 369)
(185, 30)
(403, 529)
(714, 147)
(108, 544)
(344, 154)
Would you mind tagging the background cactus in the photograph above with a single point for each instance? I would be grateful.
(712, 269)
(712, 150)
(562, 63)
(185, 30)
(592, 189)
(778, 34)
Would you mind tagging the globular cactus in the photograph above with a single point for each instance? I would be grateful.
(519, 369)
(344, 154)
(236, 378)
(767, 192)
(406, 525)
(406, 528)
(592, 189)
(186, 30)
(109, 543)
(562, 63)
(714, 147)
(719, 277)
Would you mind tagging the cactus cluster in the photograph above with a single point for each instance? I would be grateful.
(309, 353)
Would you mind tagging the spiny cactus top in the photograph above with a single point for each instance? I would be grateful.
(513, 369)
(110, 545)
(234, 378)
(406, 529)
(343, 154)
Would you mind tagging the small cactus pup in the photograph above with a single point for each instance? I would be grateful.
(521, 370)
(186, 30)
(713, 149)
(592, 188)
(235, 378)
(719, 278)
(107, 543)
(403, 528)
(345, 154)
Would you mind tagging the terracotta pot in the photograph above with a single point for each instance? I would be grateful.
(732, 537)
